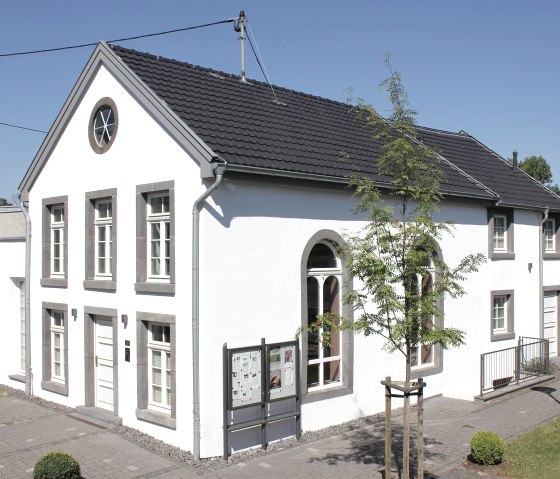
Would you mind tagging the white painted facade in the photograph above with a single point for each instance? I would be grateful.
(253, 234)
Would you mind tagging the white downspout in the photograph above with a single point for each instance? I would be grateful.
(541, 275)
(219, 170)
(27, 320)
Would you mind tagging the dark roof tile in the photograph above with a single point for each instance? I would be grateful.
(244, 125)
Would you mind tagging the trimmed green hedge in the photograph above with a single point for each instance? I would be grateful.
(487, 448)
(57, 465)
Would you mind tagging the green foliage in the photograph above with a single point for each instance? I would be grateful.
(4, 202)
(487, 448)
(536, 366)
(397, 251)
(56, 465)
(538, 168)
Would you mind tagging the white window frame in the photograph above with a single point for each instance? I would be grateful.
(163, 348)
(415, 349)
(499, 312)
(550, 236)
(321, 275)
(500, 233)
(57, 228)
(161, 218)
(104, 237)
(57, 331)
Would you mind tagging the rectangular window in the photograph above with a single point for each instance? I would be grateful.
(500, 233)
(159, 237)
(55, 242)
(550, 238)
(156, 368)
(101, 240)
(159, 346)
(549, 233)
(501, 315)
(155, 238)
(104, 239)
(55, 348)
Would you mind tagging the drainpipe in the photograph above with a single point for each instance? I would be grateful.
(24, 208)
(541, 275)
(219, 170)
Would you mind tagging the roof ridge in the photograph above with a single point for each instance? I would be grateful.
(437, 130)
(230, 75)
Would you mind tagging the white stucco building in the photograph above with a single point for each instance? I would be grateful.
(111, 194)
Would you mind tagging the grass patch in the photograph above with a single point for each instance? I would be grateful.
(535, 454)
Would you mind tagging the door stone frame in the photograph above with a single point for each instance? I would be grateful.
(89, 354)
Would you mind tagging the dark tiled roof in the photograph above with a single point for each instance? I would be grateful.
(513, 185)
(305, 134)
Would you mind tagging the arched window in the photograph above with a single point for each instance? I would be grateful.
(324, 277)
(424, 356)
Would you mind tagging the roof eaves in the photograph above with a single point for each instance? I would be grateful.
(337, 179)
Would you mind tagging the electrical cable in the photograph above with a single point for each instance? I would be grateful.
(262, 69)
(22, 127)
(83, 45)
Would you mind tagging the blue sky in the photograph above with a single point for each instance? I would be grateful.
(491, 68)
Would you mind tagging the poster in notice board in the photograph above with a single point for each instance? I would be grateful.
(245, 378)
(282, 371)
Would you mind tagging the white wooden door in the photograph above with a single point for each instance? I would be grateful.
(104, 362)
(550, 321)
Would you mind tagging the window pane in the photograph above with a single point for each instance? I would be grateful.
(331, 372)
(156, 359)
(427, 352)
(312, 375)
(321, 256)
(312, 312)
(156, 204)
(156, 394)
(331, 304)
(155, 231)
(157, 332)
(165, 204)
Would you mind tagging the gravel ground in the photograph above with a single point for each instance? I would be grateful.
(186, 458)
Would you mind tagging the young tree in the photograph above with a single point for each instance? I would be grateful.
(392, 257)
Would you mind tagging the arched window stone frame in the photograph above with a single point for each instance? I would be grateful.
(334, 239)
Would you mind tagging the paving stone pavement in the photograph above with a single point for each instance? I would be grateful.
(28, 430)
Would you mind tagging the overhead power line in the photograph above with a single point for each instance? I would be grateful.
(21, 127)
(125, 39)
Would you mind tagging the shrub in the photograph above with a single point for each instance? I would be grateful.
(487, 448)
(56, 465)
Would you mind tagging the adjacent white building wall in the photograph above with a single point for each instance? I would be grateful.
(12, 272)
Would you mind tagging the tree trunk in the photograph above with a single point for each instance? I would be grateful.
(406, 419)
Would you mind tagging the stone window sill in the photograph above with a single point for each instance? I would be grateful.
(155, 417)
